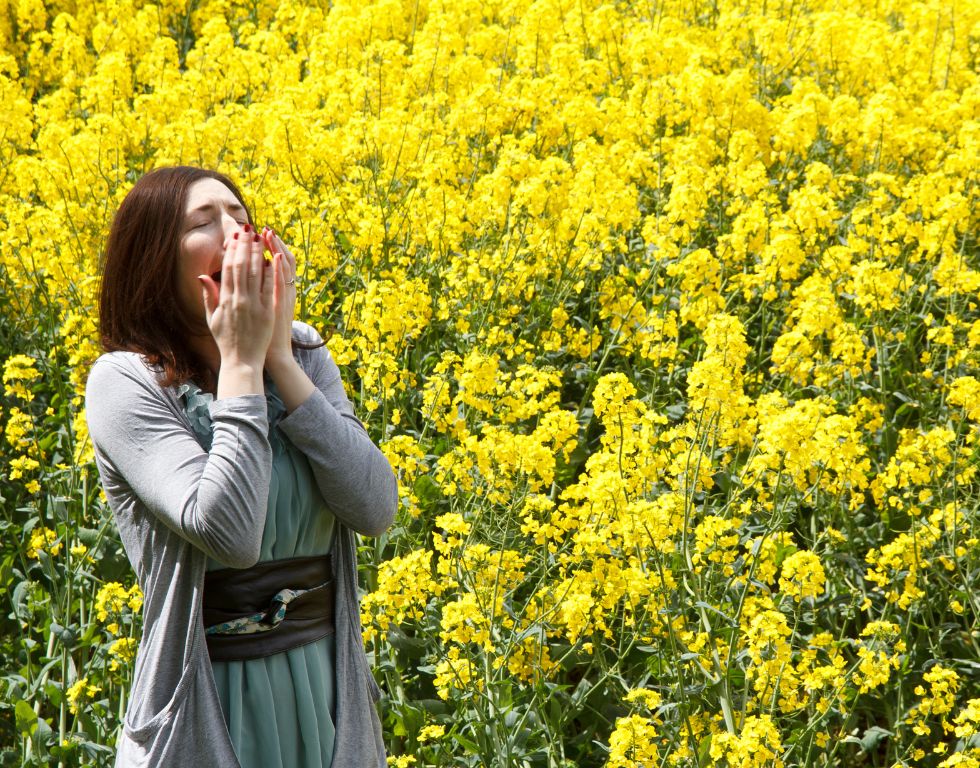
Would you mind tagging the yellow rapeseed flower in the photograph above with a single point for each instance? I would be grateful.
(19, 372)
(80, 693)
(43, 539)
(802, 576)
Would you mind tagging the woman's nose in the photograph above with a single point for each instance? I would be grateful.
(230, 226)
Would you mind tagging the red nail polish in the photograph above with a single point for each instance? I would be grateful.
(236, 235)
(247, 227)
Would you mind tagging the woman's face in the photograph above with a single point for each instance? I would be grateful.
(212, 215)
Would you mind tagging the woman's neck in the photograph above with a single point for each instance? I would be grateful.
(206, 350)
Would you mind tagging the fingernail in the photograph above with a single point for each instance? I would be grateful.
(256, 238)
(236, 235)
(247, 227)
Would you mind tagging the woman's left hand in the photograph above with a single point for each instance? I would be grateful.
(291, 380)
(280, 350)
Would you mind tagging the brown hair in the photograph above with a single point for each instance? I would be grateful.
(138, 307)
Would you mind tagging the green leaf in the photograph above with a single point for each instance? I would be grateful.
(19, 600)
(410, 647)
(52, 692)
(704, 751)
(873, 737)
(97, 751)
(468, 744)
(26, 719)
(45, 734)
(434, 706)
(88, 536)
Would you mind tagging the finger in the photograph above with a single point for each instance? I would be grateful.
(277, 278)
(268, 272)
(209, 295)
(281, 247)
(256, 265)
(269, 282)
(239, 262)
(267, 240)
(269, 235)
(227, 269)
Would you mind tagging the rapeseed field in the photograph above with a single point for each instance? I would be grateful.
(665, 312)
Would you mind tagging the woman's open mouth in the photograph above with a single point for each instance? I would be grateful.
(216, 275)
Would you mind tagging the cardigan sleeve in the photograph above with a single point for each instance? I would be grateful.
(352, 473)
(216, 500)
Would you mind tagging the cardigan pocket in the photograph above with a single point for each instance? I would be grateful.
(145, 731)
(153, 722)
(184, 733)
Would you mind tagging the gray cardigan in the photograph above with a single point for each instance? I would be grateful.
(176, 504)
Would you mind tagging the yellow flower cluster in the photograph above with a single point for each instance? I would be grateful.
(382, 320)
(757, 745)
(122, 652)
(965, 392)
(633, 742)
(938, 699)
(43, 540)
(809, 444)
(19, 375)
(715, 389)
(802, 576)
(80, 693)
(457, 675)
(901, 569)
(401, 761)
(19, 372)
(408, 461)
(405, 585)
(920, 457)
(111, 602)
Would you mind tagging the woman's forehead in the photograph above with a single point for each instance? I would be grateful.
(210, 193)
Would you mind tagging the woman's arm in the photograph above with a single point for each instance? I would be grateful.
(353, 475)
(217, 501)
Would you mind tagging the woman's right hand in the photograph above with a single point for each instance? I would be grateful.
(240, 314)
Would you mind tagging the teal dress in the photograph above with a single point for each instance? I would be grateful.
(279, 709)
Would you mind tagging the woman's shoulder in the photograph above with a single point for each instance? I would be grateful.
(123, 364)
(125, 403)
(119, 374)
(311, 350)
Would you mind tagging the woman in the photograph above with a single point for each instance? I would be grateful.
(237, 473)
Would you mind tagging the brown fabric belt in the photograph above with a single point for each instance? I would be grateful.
(230, 593)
